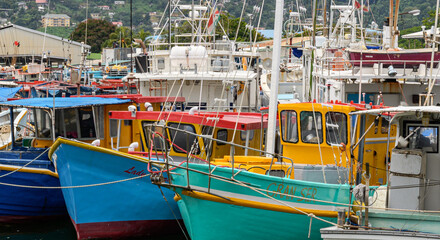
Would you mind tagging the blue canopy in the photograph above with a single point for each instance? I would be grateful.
(6, 93)
(60, 102)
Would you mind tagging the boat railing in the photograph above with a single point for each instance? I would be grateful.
(338, 67)
(171, 165)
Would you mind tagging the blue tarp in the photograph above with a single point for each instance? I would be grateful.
(61, 102)
(6, 93)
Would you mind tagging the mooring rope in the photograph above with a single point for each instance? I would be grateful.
(79, 186)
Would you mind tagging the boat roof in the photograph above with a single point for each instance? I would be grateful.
(61, 102)
(138, 98)
(6, 92)
(400, 109)
(227, 120)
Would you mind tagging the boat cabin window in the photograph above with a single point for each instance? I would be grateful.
(222, 134)
(311, 127)
(113, 128)
(86, 123)
(336, 128)
(207, 143)
(69, 122)
(425, 138)
(289, 126)
(158, 141)
(43, 122)
(385, 125)
(243, 135)
(183, 142)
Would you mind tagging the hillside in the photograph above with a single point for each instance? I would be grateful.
(76, 9)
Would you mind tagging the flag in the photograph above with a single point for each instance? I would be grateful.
(213, 20)
(365, 8)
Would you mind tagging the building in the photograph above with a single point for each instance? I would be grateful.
(117, 24)
(22, 5)
(119, 2)
(55, 20)
(41, 4)
(95, 15)
(24, 44)
(104, 8)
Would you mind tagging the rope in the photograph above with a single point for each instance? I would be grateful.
(72, 187)
(237, 182)
(175, 217)
(285, 204)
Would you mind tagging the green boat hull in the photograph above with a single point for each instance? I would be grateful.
(252, 206)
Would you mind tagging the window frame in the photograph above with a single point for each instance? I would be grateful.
(172, 140)
(346, 127)
(320, 132)
(408, 124)
(282, 126)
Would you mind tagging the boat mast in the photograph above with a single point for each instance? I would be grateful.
(273, 109)
(394, 29)
(390, 24)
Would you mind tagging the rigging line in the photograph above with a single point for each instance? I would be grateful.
(231, 181)
(285, 204)
(319, 140)
(247, 84)
(172, 211)
(239, 22)
(44, 39)
(87, 15)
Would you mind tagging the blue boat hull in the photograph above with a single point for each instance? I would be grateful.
(35, 201)
(120, 209)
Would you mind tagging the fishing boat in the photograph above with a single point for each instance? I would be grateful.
(29, 183)
(408, 206)
(212, 71)
(22, 128)
(106, 191)
(311, 178)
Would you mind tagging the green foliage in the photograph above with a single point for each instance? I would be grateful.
(119, 38)
(411, 43)
(30, 18)
(230, 25)
(58, 31)
(94, 56)
(97, 32)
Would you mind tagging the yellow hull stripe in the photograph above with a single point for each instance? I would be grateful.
(28, 170)
(253, 204)
(60, 141)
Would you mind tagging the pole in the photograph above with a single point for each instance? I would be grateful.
(131, 35)
(390, 24)
(273, 109)
(396, 16)
(11, 114)
(434, 37)
(325, 19)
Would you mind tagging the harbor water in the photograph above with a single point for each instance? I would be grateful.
(55, 229)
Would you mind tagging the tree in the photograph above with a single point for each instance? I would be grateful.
(119, 38)
(97, 32)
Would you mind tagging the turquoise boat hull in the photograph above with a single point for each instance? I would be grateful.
(253, 206)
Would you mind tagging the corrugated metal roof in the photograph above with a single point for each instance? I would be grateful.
(62, 102)
(53, 15)
(43, 34)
